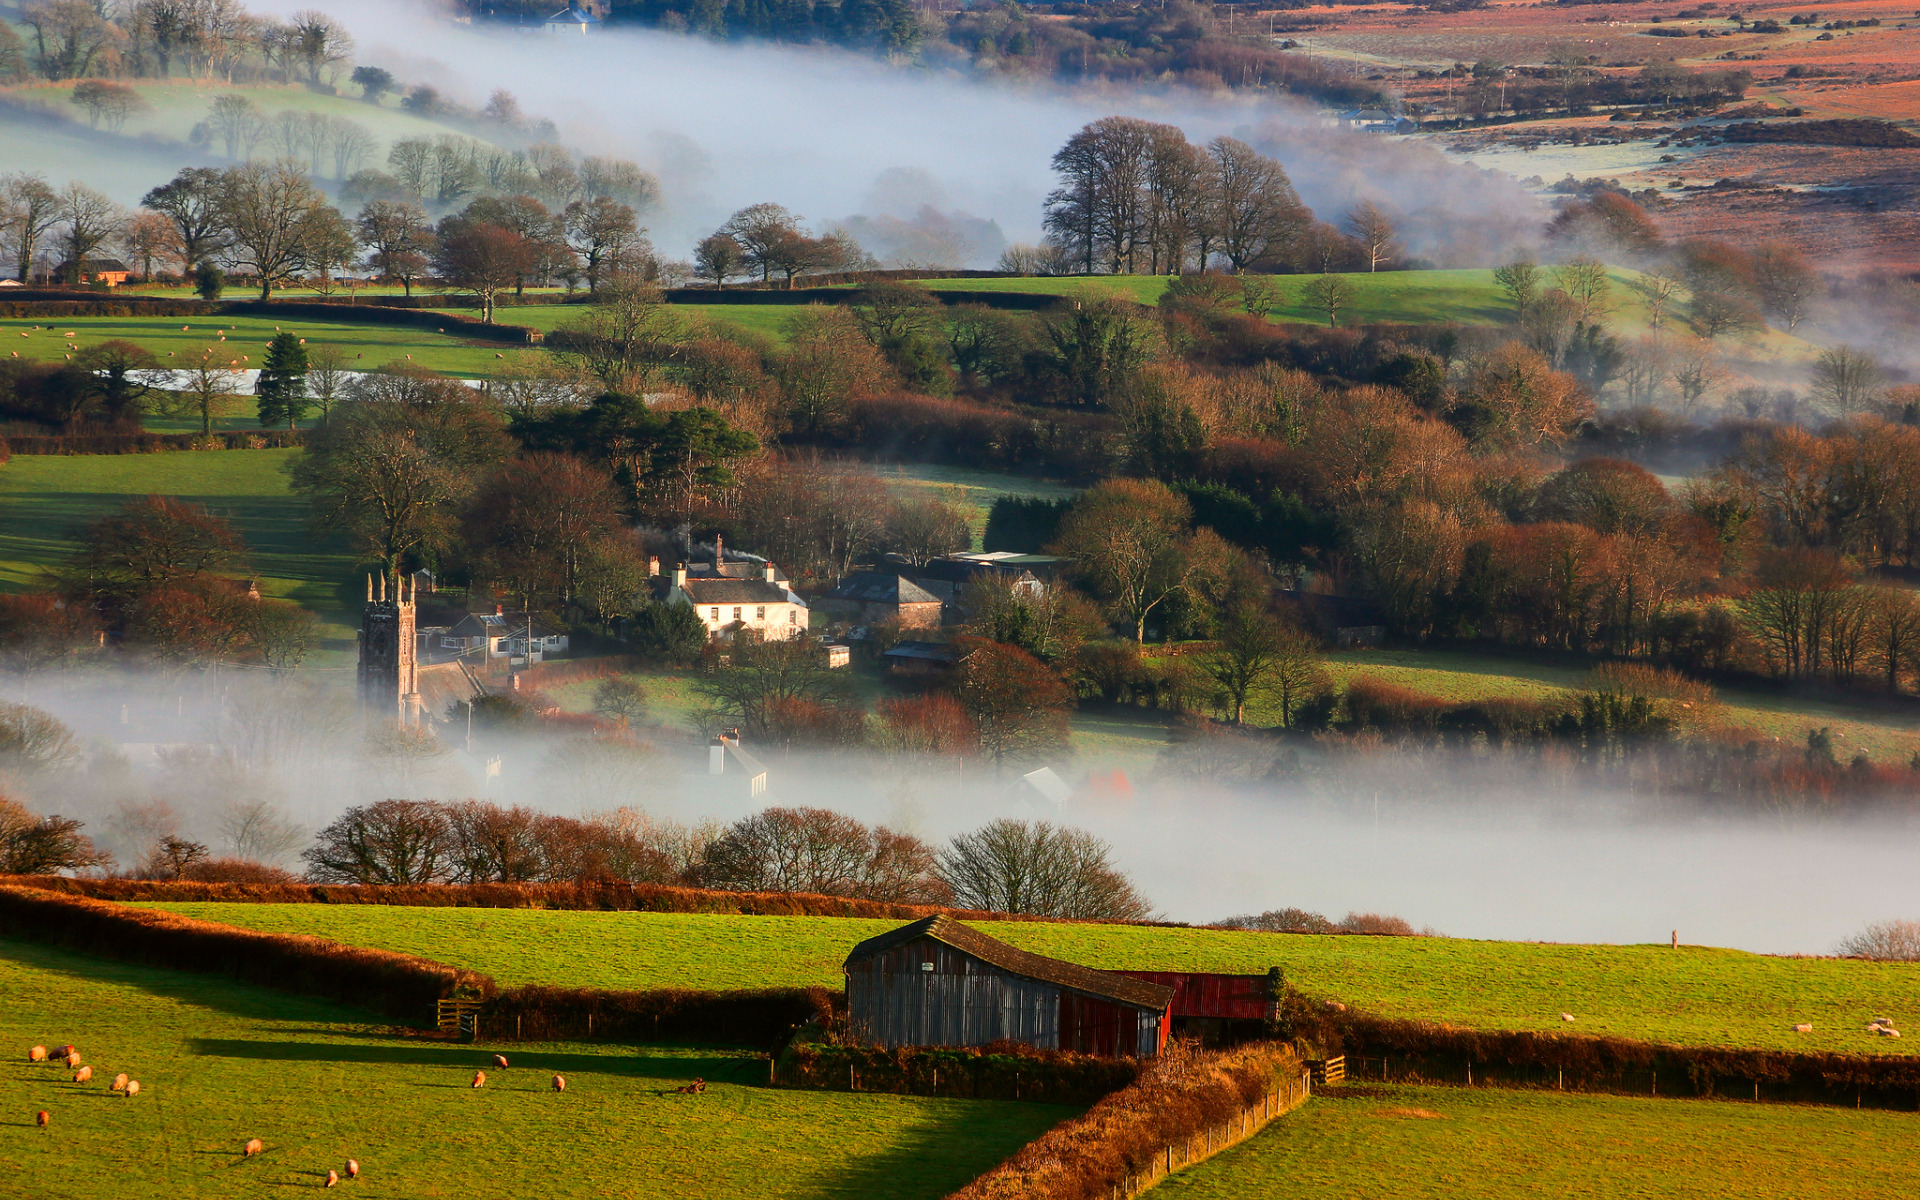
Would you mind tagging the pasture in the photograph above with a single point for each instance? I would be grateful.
(221, 1063)
(1426, 1143)
(1886, 735)
(176, 339)
(1696, 996)
(44, 499)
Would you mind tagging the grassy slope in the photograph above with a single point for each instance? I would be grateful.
(366, 346)
(220, 1063)
(43, 498)
(1887, 736)
(1418, 1143)
(1694, 997)
(154, 144)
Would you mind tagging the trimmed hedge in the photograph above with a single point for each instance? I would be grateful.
(399, 985)
(573, 897)
(380, 314)
(156, 443)
(1006, 1071)
(16, 306)
(1425, 1050)
(1178, 1096)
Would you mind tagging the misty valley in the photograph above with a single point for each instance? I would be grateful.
(1052, 601)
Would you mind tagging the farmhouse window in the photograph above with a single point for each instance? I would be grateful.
(760, 613)
(716, 614)
(793, 615)
(736, 612)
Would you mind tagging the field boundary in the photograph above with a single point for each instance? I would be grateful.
(1186, 1106)
(1422, 1051)
(400, 985)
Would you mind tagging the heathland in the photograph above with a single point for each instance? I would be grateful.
(1424, 1143)
(220, 1063)
(1694, 996)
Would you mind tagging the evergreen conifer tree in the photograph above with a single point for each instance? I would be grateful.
(283, 382)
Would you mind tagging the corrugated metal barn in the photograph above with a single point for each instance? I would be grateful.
(1216, 1007)
(937, 982)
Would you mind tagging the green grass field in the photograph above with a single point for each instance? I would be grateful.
(1884, 735)
(220, 1063)
(44, 499)
(1697, 996)
(1424, 1143)
(365, 346)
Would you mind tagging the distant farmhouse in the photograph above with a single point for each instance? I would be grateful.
(109, 271)
(874, 597)
(500, 634)
(731, 596)
(582, 17)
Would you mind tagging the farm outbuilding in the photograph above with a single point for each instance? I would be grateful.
(938, 982)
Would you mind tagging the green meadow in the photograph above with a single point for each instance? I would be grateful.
(45, 499)
(219, 1063)
(1696, 996)
(1425, 1143)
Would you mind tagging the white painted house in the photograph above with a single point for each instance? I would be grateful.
(726, 605)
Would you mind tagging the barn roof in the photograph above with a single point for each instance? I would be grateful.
(971, 941)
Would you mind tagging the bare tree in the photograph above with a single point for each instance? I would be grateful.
(1039, 869)
(1586, 281)
(259, 831)
(1892, 941)
(391, 842)
(1847, 379)
(1328, 294)
(1255, 213)
(815, 850)
(238, 123)
(1657, 290)
(1373, 230)
(1520, 280)
(87, 219)
(35, 845)
(276, 219)
(397, 234)
(31, 210)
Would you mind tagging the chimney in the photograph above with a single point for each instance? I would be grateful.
(719, 554)
(680, 576)
(653, 565)
(499, 611)
(770, 573)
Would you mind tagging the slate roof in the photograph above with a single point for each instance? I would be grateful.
(736, 591)
(971, 941)
(502, 625)
(941, 652)
(879, 587)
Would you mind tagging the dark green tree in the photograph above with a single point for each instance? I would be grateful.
(283, 382)
(668, 634)
(209, 281)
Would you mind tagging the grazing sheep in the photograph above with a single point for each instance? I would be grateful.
(333, 1178)
(479, 1078)
(120, 1082)
(353, 1168)
(65, 1051)
(73, 1062)
(37, 1054)
(1803, 1028)
(1566, 1016)
(500, 1060)
(133, 1088)
(559, 1083)
(83, 1075)
(253, 1147)
(695, 1088)
(43, 1118)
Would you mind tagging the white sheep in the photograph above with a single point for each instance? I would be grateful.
(253, 1147)
(133, 1088)
(37, 1054)
(559, 1083)
(353, 1168)
(1566, 1016)
(1804, 1027)
(479, 1078)
(83, 1075)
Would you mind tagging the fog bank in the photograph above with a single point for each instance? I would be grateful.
(834, 135)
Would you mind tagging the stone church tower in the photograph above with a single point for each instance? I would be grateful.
(389, 653)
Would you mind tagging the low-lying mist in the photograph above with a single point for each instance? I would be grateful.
(1517, 857)
(836, 136)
